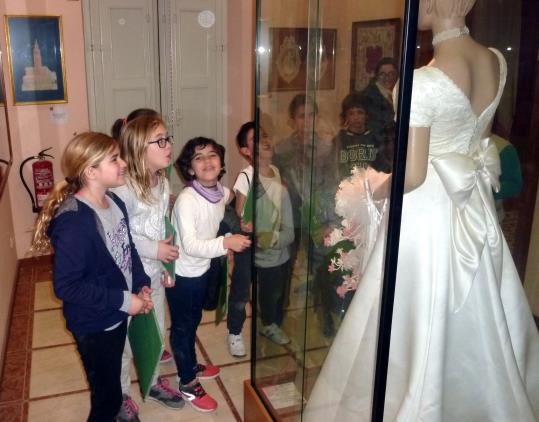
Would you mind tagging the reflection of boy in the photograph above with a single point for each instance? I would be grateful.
(355, 145)
(275, 232)
(296, 155)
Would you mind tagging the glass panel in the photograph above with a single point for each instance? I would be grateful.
(6, 156)
(464, 344)
(324, 148)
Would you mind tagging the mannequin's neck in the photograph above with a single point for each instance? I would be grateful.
(440, 25)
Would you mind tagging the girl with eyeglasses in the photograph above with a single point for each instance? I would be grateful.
(147, 149)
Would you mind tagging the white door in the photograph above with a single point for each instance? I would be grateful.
(122, 58)
(193, 78)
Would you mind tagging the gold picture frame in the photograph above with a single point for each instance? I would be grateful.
(36, 59)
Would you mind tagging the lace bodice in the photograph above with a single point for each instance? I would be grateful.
(438, 103)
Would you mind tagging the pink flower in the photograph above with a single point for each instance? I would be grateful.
(331, 268)
(341, 291)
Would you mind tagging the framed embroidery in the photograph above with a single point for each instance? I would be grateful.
(371, 41)
(290, 54)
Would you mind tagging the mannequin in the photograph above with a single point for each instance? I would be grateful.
(471, 66)
(464, 345)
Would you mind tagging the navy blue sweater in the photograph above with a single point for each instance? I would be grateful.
(86, 278)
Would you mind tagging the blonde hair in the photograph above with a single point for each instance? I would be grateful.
(84, 150)
(133, 144)
(452, 8)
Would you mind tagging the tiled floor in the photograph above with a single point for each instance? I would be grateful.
(43, 379)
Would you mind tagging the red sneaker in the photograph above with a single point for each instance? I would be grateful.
(207, 372)
(165, 357)
(195, 394)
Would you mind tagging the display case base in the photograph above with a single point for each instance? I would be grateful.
(253, 408)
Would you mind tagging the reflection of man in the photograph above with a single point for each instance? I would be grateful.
(379, 93)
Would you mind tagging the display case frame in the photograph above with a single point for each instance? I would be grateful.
(263, 400)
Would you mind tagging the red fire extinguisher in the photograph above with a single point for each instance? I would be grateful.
(43, 178)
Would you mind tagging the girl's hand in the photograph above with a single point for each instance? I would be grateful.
(167, 280)
(237, 242)
(165, 251)
(137, 305)
(146, 295)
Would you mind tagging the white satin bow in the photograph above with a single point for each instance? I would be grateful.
(469, 180)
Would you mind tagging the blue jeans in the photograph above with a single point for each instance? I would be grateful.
(240, 289)
(272, 284)
(185, 302)
(101, 355)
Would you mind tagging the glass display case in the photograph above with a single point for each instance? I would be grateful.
(325, 76)
(329, 188)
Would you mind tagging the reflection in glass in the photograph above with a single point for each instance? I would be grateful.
(332, 151)
(5, 140)
(464, 345)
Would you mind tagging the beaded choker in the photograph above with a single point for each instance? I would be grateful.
(449, 34)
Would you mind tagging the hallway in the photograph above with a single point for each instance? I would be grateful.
(43, 379)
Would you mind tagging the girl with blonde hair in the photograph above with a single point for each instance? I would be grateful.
(97, 272)
(146, 147)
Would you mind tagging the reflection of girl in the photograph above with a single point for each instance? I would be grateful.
(464, 345)
(379, 93)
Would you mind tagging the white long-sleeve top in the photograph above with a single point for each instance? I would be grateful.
(196, 221)
(147, 225)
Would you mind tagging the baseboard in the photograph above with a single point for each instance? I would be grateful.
(33, 260)
(8, 319)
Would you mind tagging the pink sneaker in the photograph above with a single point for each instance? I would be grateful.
(207, 372)
(165, 357)
(129, 410)
(195, 394)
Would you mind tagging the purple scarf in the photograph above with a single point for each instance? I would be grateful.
(212, 194)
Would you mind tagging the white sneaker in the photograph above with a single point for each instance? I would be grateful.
(275, 334)
(236, 346)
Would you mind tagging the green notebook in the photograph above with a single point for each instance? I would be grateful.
(222, 302)
(170, 230)
(147, 345)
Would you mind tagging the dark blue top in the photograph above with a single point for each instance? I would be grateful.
(85, 275)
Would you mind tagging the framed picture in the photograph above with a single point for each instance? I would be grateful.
(36, 59)
(288, 69)
(371, 41)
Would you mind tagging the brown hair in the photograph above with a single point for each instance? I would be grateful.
(84, 150)
(133, 144)
(119, 124)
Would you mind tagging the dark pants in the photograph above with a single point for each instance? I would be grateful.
(272, 284)
(101, 355)
(240, 284)
(185, 302)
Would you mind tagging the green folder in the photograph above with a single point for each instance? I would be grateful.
(147, 345)
(247, 212)
(222, 302)
(170, 230)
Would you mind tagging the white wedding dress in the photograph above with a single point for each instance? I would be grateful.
(464, 345)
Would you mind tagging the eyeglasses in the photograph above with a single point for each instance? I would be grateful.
(162, 142)
(391, 74)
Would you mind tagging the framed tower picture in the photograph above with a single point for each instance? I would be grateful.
(36, 59)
